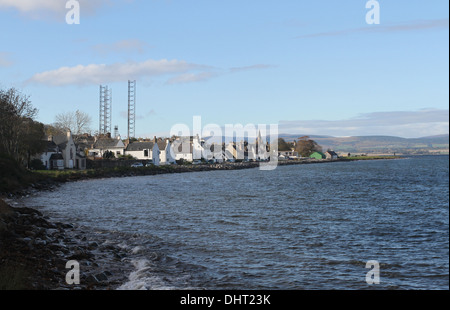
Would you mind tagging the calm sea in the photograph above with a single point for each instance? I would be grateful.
(298, 227)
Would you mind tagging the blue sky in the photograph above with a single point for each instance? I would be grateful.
(313, 67)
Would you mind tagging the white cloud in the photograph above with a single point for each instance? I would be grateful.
(102, 73)
(408, 124)
(181, 72)
(49, 8)
(33, 5)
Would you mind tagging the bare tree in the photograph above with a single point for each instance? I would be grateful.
(77, 122)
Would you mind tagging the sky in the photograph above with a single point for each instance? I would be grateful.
(312, 67)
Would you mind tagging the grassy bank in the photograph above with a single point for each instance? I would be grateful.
(14, 177)
(73, 175)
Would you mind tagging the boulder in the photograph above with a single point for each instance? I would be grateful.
(5, 209)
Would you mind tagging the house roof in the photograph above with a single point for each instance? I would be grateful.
(108, 143)
(140, 146)
(51, 146)
(61, 141)
(332, 153)
(56, 156)
(162, 145)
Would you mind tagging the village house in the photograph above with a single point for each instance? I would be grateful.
(144, 151)
(288, 154)
(52, 158)
(63, 153)
(103, 145)
(231, 152)
(183, 149)
(166, 156)
(215, 152)
(331, 155)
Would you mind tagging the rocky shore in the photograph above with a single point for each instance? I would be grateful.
(34, 253)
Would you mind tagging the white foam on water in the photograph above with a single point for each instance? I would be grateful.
(142, 279)
(136, 250)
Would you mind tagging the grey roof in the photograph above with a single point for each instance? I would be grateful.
(140, 146)
(106, 143)
(162, 145)
(60, 141)
(51, 146)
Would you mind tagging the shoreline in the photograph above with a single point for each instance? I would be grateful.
(51, 179)
(34, 250)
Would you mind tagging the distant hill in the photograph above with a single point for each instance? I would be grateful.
(380, 144)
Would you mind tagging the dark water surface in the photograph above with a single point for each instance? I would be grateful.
(298, 227)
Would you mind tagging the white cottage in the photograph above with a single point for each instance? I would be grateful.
(62, 153)
(166, 156)
(182, 148)
(101, 146)
(331, 155)
(144, 151)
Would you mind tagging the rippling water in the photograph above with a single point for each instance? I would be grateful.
(298, 227)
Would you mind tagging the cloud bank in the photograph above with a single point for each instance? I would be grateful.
(178, 72)
(39, 9)
(408, 124)
(102, 73)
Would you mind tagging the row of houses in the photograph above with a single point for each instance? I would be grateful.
(167, 151)
(64, 153)
(327, 155)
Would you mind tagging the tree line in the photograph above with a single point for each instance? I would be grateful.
(22, 136)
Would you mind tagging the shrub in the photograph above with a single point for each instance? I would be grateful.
(37, 164)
